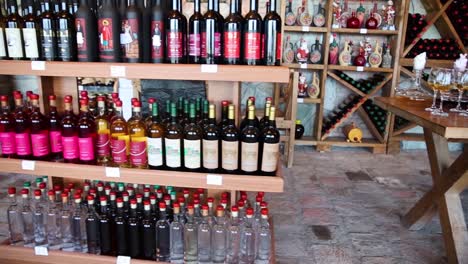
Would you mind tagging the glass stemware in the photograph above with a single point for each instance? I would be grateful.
(461, 79)
(445, 84)
(433, 83)
(464, 84)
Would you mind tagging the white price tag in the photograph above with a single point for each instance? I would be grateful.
(213, 179)
(112, 172)
(209, 68)
(359, 68)
(38, 65)
(305, 28)
(303, 65)
(118, 71)
(41, 251)
(28, 165)
(300, 100)
(123, 260)
(363, 31)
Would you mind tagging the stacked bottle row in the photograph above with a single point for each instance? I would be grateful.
(436, 49)
(340, 113)
(186, 136)
(416, 26)
(377, 115)
(365, 86)
(458, 15)
(135, 31)
(400, 122)
(147, 222)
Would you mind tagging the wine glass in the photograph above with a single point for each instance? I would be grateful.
(433, 83)
(445, 84)
(459, 76)
(464, 85)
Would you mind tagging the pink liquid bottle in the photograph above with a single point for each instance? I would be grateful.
(69, 133)
(7, 129)
(55, 133)
(86, 135)
(22, 129)
(39, 131)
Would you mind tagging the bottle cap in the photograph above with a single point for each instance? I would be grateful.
(34, 97)
(118, 103)
(298, 122)
(225, 103)
(42, 185)
(84, 94)
(18, 96)
(79, 190)
(263, 204)
(205, 207)
(52, 97)
(136, 104)
(90, 198)
(134, 100)
(101, 99)
(196, 201)
(11, 190)
(176, 204)
(151, 100)
(133, 201)
(234, 208)
(210, 200)
(152, 197)
(64, 195)
(77, 196)
(220, 208)
(270, 99)
(119, 200)
(103, 198)
(264, 211)
(51, 193)
(240, 203)
(196, 196)
(249, 211)
(181, 199)
(225, 195)
(146, 202)
(258, 199)
(261, 194)
(3, 98)
(162, 205)
(200, 190)
(115, 95)
(24, 191)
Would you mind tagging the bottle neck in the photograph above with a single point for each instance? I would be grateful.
(162, 215)
(253, 5)
(83, 3)
(12, 9)
(63, 5)
(136, 112)
(12, 199)
(233, 7)
(102, 109)
(175, 5)
(211, 5)
(272, 5)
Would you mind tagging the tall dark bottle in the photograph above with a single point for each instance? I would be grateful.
(211, 143)
(86, 33)
(211, 36)
(148, 232)
(249, 144)
(134, 231)
(66, 34)
(48, 29)
(121, 235)
(230, 144)
(173, 142)
(31, 32)
(109, 32)
(253, 35)
(145, 28)
(176, 29)
(131, 41)
(14, 36)
(272, 36)
(158, 39)
(196, 23)
(3, 45)
(193, 135)
(269, 146)
(232, 45)
(105, 230)
(92, 227)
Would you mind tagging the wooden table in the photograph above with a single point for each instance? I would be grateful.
(449, 177)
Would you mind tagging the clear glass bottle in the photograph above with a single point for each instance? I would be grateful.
(247, 242)
(53, 223)
(162, 235)
(264, 239)
(27, 219)
(78, 227)
(92, 227)
(177, 236)
(218, 237)
(14, 219)
(190, 237)
(204, 238)
(40, 237)
(233, 237)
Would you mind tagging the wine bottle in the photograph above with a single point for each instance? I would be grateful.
(86, 135)
(31, 32)
(230, 144)
(193, 135)
(7, 129)
(269, 146)
(233, 35)
(272, 36)
(108, 29)
(131, 39)
(249, 144)
(264, 122)
(196, 23)
(22, 129)
(250, 101)
(86, 33)
(66, 34)
(69, 133)
(39, 131)
(211, 143)
(224, 114)
(3, 44)
(119, 138)
(176, 28)
(146, 11)
(211, 36)
(205, 114)
(13, 34)
(158, 39)
(103, 133)
(252, 35)
(137, 132)
(173, 142)
(156, 133)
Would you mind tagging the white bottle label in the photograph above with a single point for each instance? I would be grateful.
(155, 156)
(249, 156)
(192, 153)
(172, 152)
(210, 154)
(14, 42)
(270, 157)
(230, 155)
(2, 43)
(30, 43)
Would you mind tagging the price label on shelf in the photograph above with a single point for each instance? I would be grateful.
(303, 65)
(41, 251)
(28, 165)
(359, 68)
(123, 260)
(209, 68)
(214, 179)
(118, 71)
(363, 31)
(38, 65)
(112, 172)
(305, 28)
(300, 100)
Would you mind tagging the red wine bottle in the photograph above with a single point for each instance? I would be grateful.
(211, 36)
(14, 38)
(48, 28)
(196, 23)
(86, 33)
(31, 32)
(253, 35)
(157, 33)
(146, 29)
(66, 34)
(108, 32)
(176, 28)
(233, 35)
(131, 34)
(272, 36)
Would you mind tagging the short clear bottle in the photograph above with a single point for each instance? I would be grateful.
(191, 237)
(40, 235)
(177, 236)
(78, 223)
(204, 237)
(53, 223)
(233, 237)
(14, 219)
(218, 237)
(247, 242)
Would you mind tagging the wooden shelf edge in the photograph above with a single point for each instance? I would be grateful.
(341, 142)
(354, 68)
(404, 128)
(155, 177)
(309, 100)
(305, 29)
(408, 62)
(234, 73)
(304, 66)
(363, 31)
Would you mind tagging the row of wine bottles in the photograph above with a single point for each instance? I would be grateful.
(457, 13)
(150, 223)
(365, 86)
(185, 137)
(377, 115)
(416, 25)
(341, 112)
(437, 49)
(140, 32)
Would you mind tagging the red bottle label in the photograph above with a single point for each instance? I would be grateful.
(138, 153)
(194, 45)
(8, 142)
(253, 45)
(175, 45)
(86, 148)
(119, 150)
(157, 47)
(278, 46)
(232, 41)
(70, 147)
(106, 43)
(56, 141)
(129, 39)
(80, 24)
(103, 145)
(23, 144)
(217, 44)
(40, 144)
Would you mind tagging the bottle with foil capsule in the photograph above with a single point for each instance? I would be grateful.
(230, 144)
(269, 146)
(137, 133)
(119, 138)
(39, 131)
(13, 32)
(157, 34)
(253, 35)
(193, 135)
(108, 28)
(31, 32)
(69, 133)
(211, 143)
(86, 33)
(103, 134)
(196, 23)
(224, 114)
(176, 29)
(156, 133)
(133, 230)
(233, 35)
(86, 135)
(272, 36)
(211, 36)
(249, 144)
(7, 129)
(22, 129)
(131, 39)
(66, 34)
(173, 142)
(55, 130)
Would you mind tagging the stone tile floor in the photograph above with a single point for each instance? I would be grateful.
(343, 207)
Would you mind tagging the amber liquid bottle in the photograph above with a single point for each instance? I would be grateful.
(31, 33)
(86, 135)
(156, 133)
(13, 32)
(265, 119)
(230, 144)
(69, 133)
(103, 133)
(211, 143)
(119, 138)
(55, 134)
(269, 146)
(39, 131)
(249, 144)
(173, 142)
(66, 34)
(137, 133)
(193, 135)
(7, 129)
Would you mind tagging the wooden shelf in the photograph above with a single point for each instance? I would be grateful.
(341, 142)
(305, 29)
(355, 68)
(154, 177)
(235, 73)
(429, 63)
(309, 100)
(345, 84)
(306, 141)
(363, 31)
(308, 66)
